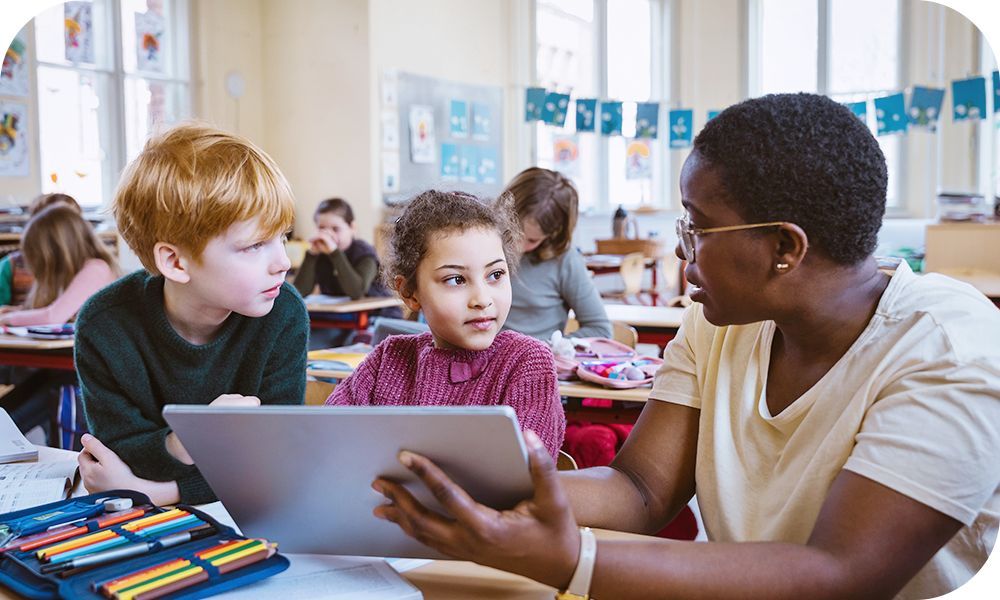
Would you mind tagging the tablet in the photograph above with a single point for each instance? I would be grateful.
(301, 475)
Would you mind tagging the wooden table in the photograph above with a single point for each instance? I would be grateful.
(358, 308)
(28, 352)
(654, 324)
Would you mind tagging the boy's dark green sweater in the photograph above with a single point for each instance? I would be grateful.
(131, 363)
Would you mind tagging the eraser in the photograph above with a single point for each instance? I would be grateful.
(117, 504)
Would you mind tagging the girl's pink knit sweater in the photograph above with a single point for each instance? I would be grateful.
(515, 370)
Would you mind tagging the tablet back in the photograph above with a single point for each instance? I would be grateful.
(302, 475)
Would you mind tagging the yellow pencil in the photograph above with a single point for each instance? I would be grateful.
(146, 521)
(75, 543)
(135, 578)
(134, 591)
(239, 555)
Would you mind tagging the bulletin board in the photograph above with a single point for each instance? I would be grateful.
(447, 135)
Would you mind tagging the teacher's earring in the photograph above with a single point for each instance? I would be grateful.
(781, 267)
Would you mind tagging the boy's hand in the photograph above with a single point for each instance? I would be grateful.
(235, 400)
(102, 469)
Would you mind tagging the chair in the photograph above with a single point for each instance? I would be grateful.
(565, 462)
(631, 270)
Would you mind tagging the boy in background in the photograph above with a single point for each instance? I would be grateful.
(210, 321)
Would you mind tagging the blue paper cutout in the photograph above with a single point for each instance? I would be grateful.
(534, 98)
(681, 131)
(554, 109)
(481, 121)
(712, 114)
(968, 99)
(860, 110)
(996, 91)
(611, 118)
(890, 112)
(925, 107)
(468, 160)
(647, 120)
(449, 162)
(458, 121)
(487, 172)
(586, 111)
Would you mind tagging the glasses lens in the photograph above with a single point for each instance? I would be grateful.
(686, 238)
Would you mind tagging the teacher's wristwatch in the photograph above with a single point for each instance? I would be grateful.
(579, 585)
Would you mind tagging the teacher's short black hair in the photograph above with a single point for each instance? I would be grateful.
(805, 159)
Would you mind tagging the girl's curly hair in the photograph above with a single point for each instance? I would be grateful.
(433, 212)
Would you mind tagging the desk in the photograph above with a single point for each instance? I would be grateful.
(654, 324)
(359, 308)
(44, 354)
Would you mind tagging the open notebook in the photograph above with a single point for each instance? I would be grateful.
(30, 484)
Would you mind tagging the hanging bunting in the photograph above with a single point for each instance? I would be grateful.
(554, 108)
(860, 109)
(996, 91)
(611, 118)
(534, 98)
(891, 114)
(925, 107)
(680, 128)
(586, 111)
(969, 99)
(712, 114)
(647, 120)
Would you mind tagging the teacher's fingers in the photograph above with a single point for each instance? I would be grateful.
(549, 494)
(415, 519)
(452, 497)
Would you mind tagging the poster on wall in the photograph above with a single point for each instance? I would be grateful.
(390, 87)
(638, 163)
(449, 162)
(422, 134)
(566, 154)
(14, 161)
(149, 37)
(390, 130)
(481, 121)
(78, 32)
(458, 121)
(390, 172)
(468, 163)
(487, 172)
(14, 75)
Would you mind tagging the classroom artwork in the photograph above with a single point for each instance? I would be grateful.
(390, 130)
(860, 110)
(481, 121)
(487, 171)
(996, 91)
(468, 161)
(890, 113)
(554, 108)
(450, 164)
(566, 154)
(422, 134)
(458, 119)
(681, 130)
(712, 114)
(390, 87)
(611, 118)
(969, 99)
(638, 160)
(14, 156)
(78, 25)
(534, 98)
(647, 120)
(150, 32)
(925, 107)
(390, 172)
(586, 111)
(14, 74)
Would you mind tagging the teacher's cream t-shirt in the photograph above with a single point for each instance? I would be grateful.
(914, 404)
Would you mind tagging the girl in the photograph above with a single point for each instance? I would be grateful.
(552, 277)
(69, 263)
(450, 256)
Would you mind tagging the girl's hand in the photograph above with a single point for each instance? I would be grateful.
(322, 243)
(538, 538)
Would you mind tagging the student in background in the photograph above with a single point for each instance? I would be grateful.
(840, 424)
(69, 263)
(451, 257)
(15, 278)
(552, 277)
(210, 321)
(341, 265)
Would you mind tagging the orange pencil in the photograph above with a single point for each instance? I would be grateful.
(79, 542)
(136, 576)
(153, 519)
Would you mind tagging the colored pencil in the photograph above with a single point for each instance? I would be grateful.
(131, 592)
(122, 579)
(173, 587)
(76, 543)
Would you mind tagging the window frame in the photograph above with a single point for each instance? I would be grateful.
(112, 120)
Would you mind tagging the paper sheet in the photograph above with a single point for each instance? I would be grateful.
(320, 576)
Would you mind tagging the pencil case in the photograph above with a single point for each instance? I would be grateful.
(590, 348)
(21, 569)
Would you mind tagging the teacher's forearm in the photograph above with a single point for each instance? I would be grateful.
(606, 498)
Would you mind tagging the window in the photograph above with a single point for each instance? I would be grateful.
(129, 75)
(605, 50)
(825, 47)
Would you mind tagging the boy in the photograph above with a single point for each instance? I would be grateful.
(211, 322)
